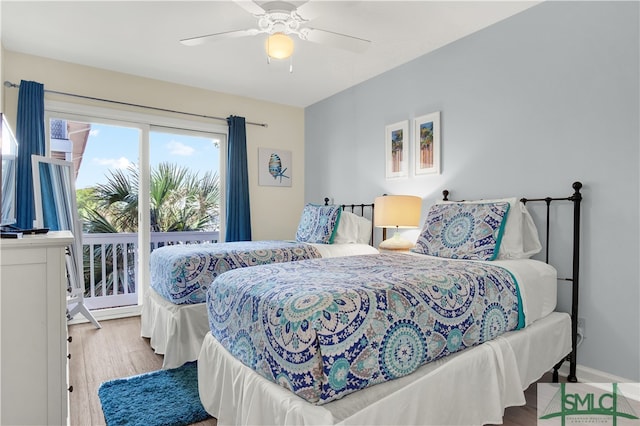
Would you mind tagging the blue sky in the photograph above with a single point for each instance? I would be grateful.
(112, 147)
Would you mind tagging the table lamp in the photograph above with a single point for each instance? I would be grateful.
(397, 211)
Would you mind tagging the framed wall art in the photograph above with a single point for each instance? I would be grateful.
(274, 167)
(427, 144)
(397, 149)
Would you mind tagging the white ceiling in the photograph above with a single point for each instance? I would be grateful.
(142, 38)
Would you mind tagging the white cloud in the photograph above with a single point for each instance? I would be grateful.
(178, 148)
(94, 132)
(114, 163)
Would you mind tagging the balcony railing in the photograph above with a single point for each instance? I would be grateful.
(110, 261)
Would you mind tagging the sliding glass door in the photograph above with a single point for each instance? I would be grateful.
(140, 185)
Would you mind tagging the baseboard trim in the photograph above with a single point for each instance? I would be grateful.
(107, 314)
(591, 375)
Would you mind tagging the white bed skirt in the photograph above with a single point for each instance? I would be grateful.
(470, 387)
(175, 331)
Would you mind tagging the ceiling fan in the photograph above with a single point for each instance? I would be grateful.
(280, 19)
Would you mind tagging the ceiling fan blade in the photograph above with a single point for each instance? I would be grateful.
(309, 10)
(194, 41)
(250, 6)
(342, 41)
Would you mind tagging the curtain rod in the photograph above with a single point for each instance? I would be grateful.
(13, 85)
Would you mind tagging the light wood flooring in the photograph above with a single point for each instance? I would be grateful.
(114, 351)
(117, 350)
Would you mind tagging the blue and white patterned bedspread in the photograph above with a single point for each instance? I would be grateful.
(327, 327)
(183, 273)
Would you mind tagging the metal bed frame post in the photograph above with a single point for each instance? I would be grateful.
(576, 198)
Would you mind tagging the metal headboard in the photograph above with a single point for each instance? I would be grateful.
(353, 208)
(575, 198)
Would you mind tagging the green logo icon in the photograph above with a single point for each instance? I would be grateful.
(588, 404)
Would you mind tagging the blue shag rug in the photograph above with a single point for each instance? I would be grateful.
(164, 397)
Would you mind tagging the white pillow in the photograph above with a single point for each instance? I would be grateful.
(364, 230)
(352, 229)
(520, 239)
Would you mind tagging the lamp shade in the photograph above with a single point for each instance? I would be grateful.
(397, 211)
(279, 46)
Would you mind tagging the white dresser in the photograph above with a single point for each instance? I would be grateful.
(33, 339)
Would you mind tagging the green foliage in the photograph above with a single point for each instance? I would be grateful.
(181, 200)
(86, 200)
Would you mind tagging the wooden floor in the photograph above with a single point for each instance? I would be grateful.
(114, 351)
(117, 350)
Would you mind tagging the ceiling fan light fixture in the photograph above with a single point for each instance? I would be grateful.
(279, 46)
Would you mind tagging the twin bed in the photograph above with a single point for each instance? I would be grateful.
(451, 333)
(174, 314)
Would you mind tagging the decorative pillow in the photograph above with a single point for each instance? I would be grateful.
(463, 231)
(352, 229)
(318, 224)
(520, 239)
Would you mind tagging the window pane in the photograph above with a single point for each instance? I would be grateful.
(185, 181)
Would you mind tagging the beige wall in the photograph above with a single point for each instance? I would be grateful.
(275, 211)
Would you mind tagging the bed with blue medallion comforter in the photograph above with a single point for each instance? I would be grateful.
(449, 334)
(326, 328)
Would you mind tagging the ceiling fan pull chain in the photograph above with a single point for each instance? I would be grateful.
(291, 64)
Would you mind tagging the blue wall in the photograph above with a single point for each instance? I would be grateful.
(528, 106)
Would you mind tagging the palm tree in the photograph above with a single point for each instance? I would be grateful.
(181, 200)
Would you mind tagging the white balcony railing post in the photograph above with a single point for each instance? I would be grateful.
(122, 249)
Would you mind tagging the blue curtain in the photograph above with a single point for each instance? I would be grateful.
(30, 136)
(238, 226)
